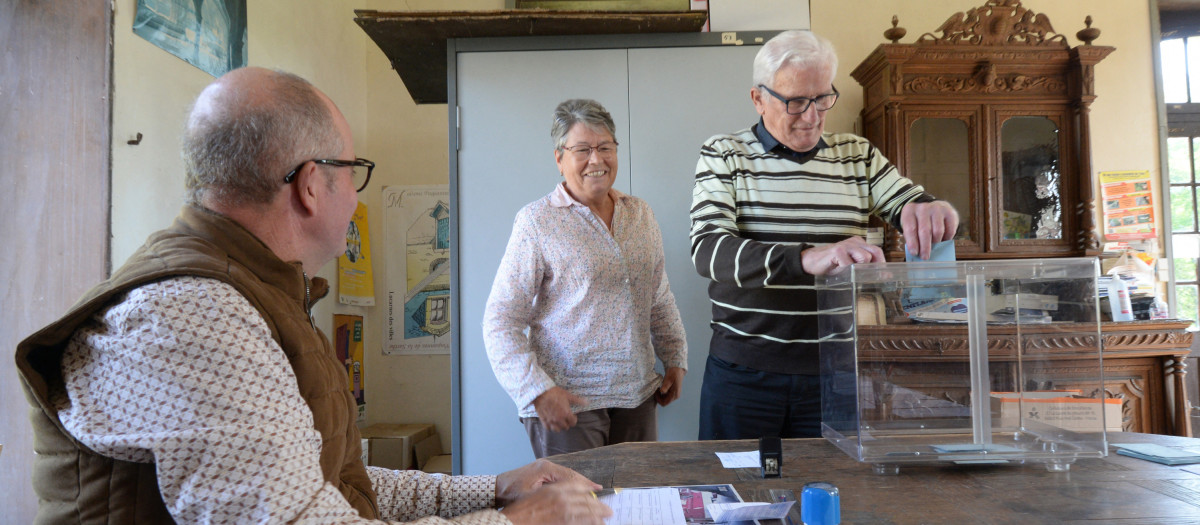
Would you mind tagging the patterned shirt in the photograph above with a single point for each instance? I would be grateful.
(596, 304)
(184, 373)
(754, 210)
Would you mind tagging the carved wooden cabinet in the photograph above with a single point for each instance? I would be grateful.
(992, 116)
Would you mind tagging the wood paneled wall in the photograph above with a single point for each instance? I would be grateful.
(55, 114)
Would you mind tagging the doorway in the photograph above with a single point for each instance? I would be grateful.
(1179, 70)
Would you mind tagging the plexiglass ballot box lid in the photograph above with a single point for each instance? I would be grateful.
(982, 361)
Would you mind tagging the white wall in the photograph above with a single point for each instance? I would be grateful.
(409, 144)
(152, 91)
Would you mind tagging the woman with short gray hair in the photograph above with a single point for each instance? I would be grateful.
(580, 308)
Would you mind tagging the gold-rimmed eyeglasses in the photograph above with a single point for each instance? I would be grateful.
(584, 151)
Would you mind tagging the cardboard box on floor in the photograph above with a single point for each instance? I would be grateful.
(440, 464)
(391, 445)
(430, 457)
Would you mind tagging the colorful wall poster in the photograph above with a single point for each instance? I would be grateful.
(348, 343)
(356, 284)
(417, 230)
(1128, 205)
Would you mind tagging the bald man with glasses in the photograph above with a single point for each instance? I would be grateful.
(193, 386)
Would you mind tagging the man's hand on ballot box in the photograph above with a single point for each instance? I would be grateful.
(927, 223)
(832, 259)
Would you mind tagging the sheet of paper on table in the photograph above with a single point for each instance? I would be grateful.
(679, 505)
(739, 459)
(649, 505)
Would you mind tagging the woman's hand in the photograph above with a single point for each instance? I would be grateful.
(672, 384)
(554, 408)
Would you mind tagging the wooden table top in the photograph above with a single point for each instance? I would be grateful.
(1115, 489)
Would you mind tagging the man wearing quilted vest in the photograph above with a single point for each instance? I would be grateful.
(193, 386)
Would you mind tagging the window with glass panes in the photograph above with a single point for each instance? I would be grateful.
(1180, 57)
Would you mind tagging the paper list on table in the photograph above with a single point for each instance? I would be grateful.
(651, 506)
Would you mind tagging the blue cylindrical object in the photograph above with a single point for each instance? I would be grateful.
(820, 504)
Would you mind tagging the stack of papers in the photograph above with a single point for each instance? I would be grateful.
(1158, 453)
(686, 505)
(752, 511)
(974, 453)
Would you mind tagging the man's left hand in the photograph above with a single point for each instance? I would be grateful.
(520, 482)
(926, 223)
(671, 385)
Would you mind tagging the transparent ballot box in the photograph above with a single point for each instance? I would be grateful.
(965, 362)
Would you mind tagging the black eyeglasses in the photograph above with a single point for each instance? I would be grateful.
(360, 178)
(798, 105)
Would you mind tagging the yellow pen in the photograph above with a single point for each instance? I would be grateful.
(605, 492)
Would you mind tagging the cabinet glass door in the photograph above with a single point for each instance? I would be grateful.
(1032, 185)
(939, 158)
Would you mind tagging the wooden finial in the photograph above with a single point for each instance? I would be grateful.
(895, 33)
(1089, 33)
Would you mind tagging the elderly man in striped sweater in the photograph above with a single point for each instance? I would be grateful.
(773, 206)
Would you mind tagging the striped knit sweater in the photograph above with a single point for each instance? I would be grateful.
(754, 211)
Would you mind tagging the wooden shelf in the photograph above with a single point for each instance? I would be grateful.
(415, 41)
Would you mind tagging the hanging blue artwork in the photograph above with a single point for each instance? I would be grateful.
(208, 34)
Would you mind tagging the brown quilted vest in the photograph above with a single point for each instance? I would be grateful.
(77, 485)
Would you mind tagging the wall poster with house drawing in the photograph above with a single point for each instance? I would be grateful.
(417, 228)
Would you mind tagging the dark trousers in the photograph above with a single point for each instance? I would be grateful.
(737, 402)
(595, 428)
